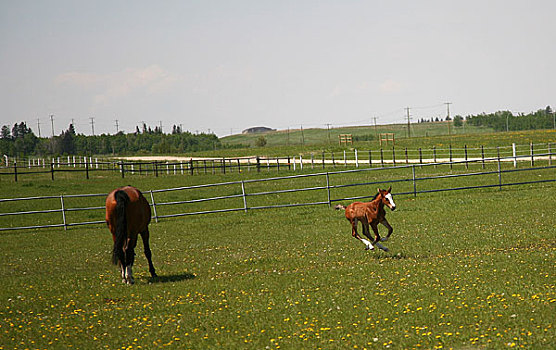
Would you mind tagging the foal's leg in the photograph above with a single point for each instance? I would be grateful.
(354, 233)
(390, 230)
(374, 225)
(367, 233)
(147, 249)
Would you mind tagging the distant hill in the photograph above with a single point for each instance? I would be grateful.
(321, 136)
(257, 130)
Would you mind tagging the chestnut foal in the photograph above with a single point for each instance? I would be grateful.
(370, 213)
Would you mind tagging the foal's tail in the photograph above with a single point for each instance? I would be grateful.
(122, 199)
(340, 207)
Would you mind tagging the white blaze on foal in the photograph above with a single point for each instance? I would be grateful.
(391, 201)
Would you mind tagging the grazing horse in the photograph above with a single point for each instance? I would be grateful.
(128, 214)
(370, 213)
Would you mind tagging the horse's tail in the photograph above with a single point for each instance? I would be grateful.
(122, 199)
(340, 207)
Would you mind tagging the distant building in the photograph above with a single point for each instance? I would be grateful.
(257, 130)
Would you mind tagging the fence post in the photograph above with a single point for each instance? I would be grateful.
(155, 168)
(434, 154)
(420, 156)
(154, 207)
(356, 159)
(514, 154)
(63, 212)
(370, 159)
(393, 156)
(328, 189)
(52, 168)
(549, 155)
(312, 160)
(15, 170)
(259, 164)
(323, 159)
(333, 162)
(381, 158)
(289, 164)
(122, 169)
(483, 155)
(499, 169)
(191, 166)
(532, 155)
(466, 163)
(244, 196)
(345, 160)
(86, 169)
(224, 165)
(451, 165)
(406, 157)
(414, 182)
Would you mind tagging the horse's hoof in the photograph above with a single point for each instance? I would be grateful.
(384, 239)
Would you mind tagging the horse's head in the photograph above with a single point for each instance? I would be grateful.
(386, 198)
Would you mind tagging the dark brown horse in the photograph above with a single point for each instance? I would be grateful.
(128, 214)
(370, 213)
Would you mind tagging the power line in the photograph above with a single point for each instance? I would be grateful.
(92, 125)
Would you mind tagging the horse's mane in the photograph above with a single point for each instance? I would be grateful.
(376, 195)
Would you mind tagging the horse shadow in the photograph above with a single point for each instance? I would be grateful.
(172, 278)
(391, 256)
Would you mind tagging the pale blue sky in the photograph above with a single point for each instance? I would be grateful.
(225, 66)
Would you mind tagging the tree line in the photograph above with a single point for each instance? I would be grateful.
(21, 141)
(507, 121)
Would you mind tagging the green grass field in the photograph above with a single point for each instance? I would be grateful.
(466, 269)
(425, 136)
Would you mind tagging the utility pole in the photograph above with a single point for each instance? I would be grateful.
(376, 131)
(160, 123)
(288, 137)
(117, 126)
(408, 123)
(39, 127)
(52, 123)
(328, 127)
(302, 136)
(92, 125)
(448, 116)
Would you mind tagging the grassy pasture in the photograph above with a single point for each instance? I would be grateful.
(465, 269)
(427, 136)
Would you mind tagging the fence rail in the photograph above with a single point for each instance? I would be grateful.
(64, 207)
(354, 158)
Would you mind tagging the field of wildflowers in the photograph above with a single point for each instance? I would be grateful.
(468, 269)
